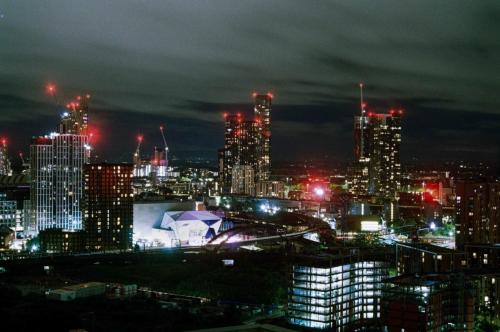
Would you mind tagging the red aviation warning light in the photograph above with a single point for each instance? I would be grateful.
(395, 112)
(140, 138)
(51, 88)
(254, 94)
(4, 142)
(270, 95)
(94, 134)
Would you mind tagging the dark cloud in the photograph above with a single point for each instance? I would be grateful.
(185, 62)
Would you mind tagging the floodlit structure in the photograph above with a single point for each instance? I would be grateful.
(173, 224)
(187, 228)
(148, 215)
(337, 292)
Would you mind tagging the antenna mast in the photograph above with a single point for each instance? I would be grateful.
(362, 103)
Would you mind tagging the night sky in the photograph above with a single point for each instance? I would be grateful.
(183, 63)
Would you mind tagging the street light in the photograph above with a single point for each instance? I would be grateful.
(320, 192)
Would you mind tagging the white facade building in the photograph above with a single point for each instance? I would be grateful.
(184, 229)
(148, 215)
(336, 295)
(57, 180)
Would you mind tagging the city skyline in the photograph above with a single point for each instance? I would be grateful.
(451, 108)
(276, 165)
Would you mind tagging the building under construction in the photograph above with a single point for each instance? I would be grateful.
(154, 170)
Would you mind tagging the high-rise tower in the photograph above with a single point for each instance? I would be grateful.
(80, 111)
(360, 169)
(57, 162)
(109, 206)
(262, 111)
(383, 147)
(360, 134)
(70, 155)
(4, 158)
(247, 143)
(57, 180)
(477, 212)
(377, 139)
(42, 178)
(74, 119)
(231, 149)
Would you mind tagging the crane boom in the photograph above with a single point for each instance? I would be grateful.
(138, 149)
(164, 139)
(22, 157)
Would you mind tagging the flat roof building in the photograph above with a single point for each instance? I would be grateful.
(338, 292)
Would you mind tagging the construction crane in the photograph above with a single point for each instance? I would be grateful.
(164, 142)
(137, 157)
(22, 157)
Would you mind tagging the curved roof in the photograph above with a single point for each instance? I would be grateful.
(13, 180)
